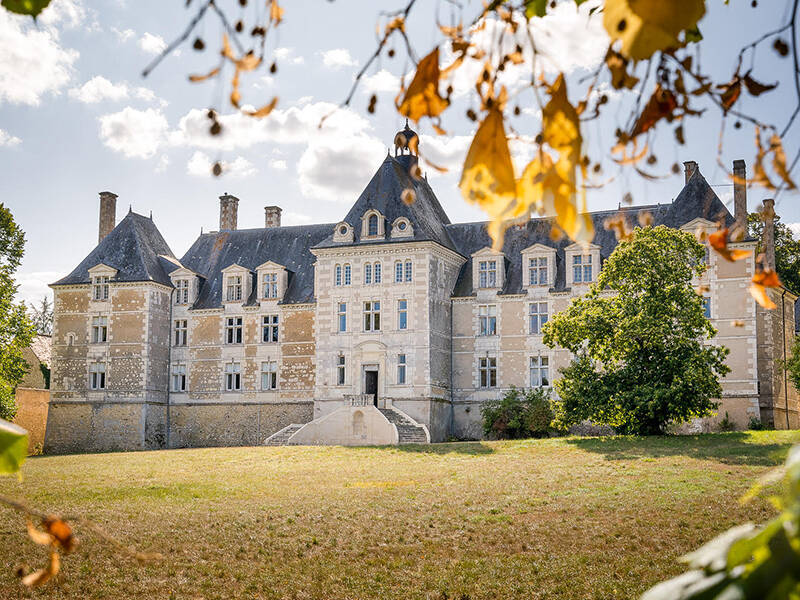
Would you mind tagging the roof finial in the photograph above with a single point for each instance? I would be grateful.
(406, 121)
(151, 215)
(130, 208)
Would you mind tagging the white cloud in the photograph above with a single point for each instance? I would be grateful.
(163, 163)
(338, 58)
(293, 218)
(286, 55)
(6, 139)
(34, 285)
(69, 13)
(200, 165)
(278, 165)
(382, 81)
(134, 133)
(152, 44)
(99, 88)
(445, 151)
(123, 35)
(32, 62)
(320, 171)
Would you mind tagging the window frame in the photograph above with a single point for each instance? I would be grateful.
(341, 369)
(234, 333)
(270, 373)
(270, 284)
(579, 266)
(539, 371)
(537, 317)
(234, 288)
(182, 287)
(538, 265)
(100, 329)
(100, 288)
(367, 273)
(270, 329)
(408, 271)
(372, 315)
(487, 273)
(487, 320)
(402, 314)
(233, 377)
(181, 329)
(402, 369)
(487, 372)
(98, 377)
(341, 317)
(178, 375)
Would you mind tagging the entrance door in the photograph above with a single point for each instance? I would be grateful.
(371, 385)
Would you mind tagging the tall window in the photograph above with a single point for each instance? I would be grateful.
(100, 287)
(707, 306)
(409, 270)
(181, 331)
(367, 273)
(487, 369)
(347, 274)
(398, 272)
(233, 377)
(372, 225)
(540, 371)
(487, 273)
(340, 369)
(234, 288)
(269, 328)
(537, 270)
(179, 378)
(233, 330)
(582, 268)
(487, 319)
(402, 314)
(537, 317)
(401, 368)
(97, 376)
(376, 271)
(372, 315)
(338, 275)
(342, 316)
(182, 291)
(99, 330)
(270, 285)
(269, 375)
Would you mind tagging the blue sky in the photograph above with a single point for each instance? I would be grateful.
(77, 118)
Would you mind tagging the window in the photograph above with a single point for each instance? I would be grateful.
(582, 268)
(401, 368)
(487, 369)
(398, 272)
(707, 306)
(269, 375)
(182, 291)
(347, 274)
(367, 273)
(99, 330)
(97, 376)
(100, 287)
(342, 314)
(487, 319)
(537, 271)
(372, 225)
(376, 271)
(270, 285)
(181, 330)
(269, 329)
(340, 369)
(537, 317)
(233, 330)
(234, 288)
(402, 314)
(372, 316)
(409, 270)
(540, 371)
(338, 274)
(179, 378)
(487, 273)
(233, 377)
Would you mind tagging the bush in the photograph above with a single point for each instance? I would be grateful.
(726, 424)
(518, 414)
(756, 424)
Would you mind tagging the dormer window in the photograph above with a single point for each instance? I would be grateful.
(234, 293)
(182, 291)
(537, 270)
(487, 273)
(343, 232)
(269, 285)
(372, 227)
(401, 228)
(582, 268)
(583, 263)
(100, 287)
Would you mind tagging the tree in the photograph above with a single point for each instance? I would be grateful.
(16, 330)
(41, 316)
(639, 339)
(787, 250)
(792, 365)
(518, 414)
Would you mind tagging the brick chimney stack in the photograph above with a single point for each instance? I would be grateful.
(108, 214)
(740, 196)
(272, 216)
(228, 212)
(768, 238)
(689, 167)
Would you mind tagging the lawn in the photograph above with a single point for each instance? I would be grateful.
(561, 518)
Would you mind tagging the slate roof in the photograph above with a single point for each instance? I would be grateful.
(134, 248)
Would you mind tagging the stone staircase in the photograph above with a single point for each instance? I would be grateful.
(280, 438)
(407, 431)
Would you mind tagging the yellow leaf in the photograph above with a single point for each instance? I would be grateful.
(422, 96)
(227, 51)
(275, 12)
(760, 281)
(209, 75)
(647, 26)
(560, 124)
(779, 161)
(264, 110)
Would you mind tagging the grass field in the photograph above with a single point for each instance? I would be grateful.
(562, 518)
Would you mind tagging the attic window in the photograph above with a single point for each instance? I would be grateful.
(234, 288)
(343, 230)
(100, 287)
(402, 225)
(372, 228)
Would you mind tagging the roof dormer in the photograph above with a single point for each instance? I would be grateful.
(538, 266)
(583, 263)
(373, 225)
(402, 228)
(187, 285)
(272, 281)
(488, 270)
(343, 232)
(235, 284)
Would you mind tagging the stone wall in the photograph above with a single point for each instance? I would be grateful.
(32, 415)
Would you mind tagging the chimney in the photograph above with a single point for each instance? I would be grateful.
(108, 214)
(740, 196)
(768, 238)
(689, 168)
(228, 209)
(272, 216)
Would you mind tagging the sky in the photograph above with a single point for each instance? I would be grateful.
(78, 118)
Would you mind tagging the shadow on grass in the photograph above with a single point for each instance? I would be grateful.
(727, 448)
(472, 448)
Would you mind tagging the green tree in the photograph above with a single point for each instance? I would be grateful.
(41, 315)
(793, 364)
(16, 330)
(518, 414)
(787, 251)
(639, 340)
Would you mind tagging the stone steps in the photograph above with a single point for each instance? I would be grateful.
(407, 431)
(280, 438)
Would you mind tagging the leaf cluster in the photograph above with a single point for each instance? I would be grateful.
(518, 414)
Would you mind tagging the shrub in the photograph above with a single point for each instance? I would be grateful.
(726, 424)
(756, 424)
(518, 414)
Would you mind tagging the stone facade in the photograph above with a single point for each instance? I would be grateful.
(391, 323)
